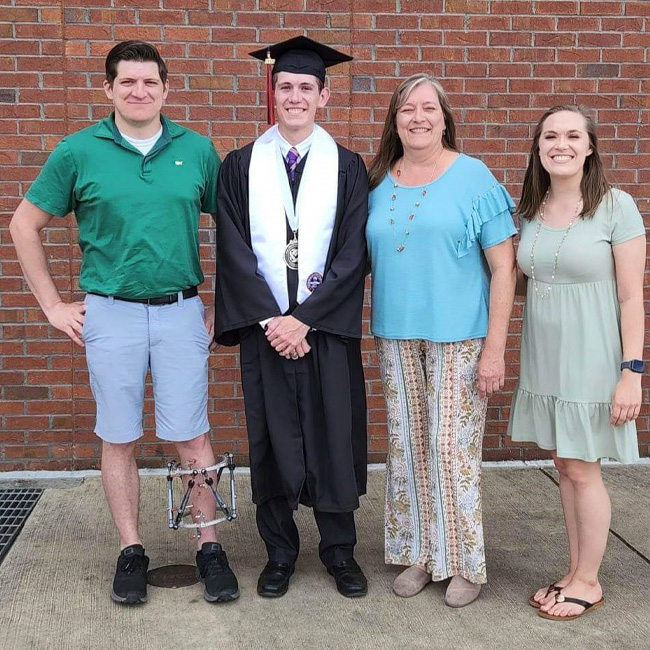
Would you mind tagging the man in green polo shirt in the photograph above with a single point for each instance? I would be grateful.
(137, 184)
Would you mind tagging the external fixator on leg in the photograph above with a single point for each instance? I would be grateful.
(176, 514)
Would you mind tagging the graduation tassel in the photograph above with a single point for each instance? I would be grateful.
(270, 104)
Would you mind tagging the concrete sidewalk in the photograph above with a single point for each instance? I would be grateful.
(55, 581)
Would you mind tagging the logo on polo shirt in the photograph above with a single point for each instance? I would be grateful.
(178, 163)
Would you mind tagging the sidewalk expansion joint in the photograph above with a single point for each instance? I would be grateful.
(620, 538)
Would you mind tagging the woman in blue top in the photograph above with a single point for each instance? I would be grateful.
(443, 277)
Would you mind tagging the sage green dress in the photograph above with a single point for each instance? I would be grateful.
(571, 338)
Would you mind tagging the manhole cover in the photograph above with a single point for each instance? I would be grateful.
(173, 576)
(15, 507)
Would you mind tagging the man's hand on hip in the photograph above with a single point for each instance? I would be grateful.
(208, 319)
(69, 318)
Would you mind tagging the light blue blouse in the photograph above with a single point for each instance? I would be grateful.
(437, 287)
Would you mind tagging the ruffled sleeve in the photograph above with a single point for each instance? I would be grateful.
(490, 221)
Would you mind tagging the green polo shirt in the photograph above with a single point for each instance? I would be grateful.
(138, 216)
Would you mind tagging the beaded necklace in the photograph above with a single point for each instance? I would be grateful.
(542, 207)
(412, 213)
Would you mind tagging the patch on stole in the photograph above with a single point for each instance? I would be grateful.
(314, 280)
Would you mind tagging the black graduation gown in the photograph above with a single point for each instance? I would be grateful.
(306, 418)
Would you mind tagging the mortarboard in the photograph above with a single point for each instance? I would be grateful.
(299, 55)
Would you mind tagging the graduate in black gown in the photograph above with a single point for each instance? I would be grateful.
(291, 256)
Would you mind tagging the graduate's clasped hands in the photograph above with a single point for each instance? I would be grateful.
(287, 336)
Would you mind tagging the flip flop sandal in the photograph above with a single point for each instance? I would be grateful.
(552, 588)
(588, 607)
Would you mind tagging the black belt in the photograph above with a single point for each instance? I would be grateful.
(160, 300)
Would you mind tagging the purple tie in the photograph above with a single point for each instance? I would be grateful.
(292, 160)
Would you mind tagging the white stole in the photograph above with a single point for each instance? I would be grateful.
(315, 211)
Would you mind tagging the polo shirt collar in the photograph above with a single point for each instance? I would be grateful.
(107, 129)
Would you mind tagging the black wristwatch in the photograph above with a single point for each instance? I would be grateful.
(635, 365)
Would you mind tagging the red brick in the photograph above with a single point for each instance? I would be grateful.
(522, 39)
(465, 38)
(127, 32)
(22, 15)
(489, 54)
(621, 24)
(24, 452)
(466, 6)
(203, 5)
(16, 47)
(525, 60)
(555, 39)
(397, 21)
(343, 20)
(639, 40)
(299, 19)
(442, 54)
(603, 40)
(553, 70)
(579, 55)
(511, 7)
(442, 21)
(510, 70)
(489, 23)
(640, 71)
(636, 8)
(578, 24)
(555, 7)
(575, 85)
(602, 8)
(420, 37)
(479, 86)
(38, 30)
(466, 69)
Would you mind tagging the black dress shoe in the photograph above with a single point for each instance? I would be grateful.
(274, 579)
(349, 577)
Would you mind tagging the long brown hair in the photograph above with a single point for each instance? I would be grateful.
(593, 185)
(390, 146)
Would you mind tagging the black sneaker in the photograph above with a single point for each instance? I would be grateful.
(130, 582)
(213, 570)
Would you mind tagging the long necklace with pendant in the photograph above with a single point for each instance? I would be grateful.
(401, 246)
(542, 207)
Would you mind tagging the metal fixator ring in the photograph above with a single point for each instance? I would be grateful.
(176, 514)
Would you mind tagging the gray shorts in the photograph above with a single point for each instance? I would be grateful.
(123, 341)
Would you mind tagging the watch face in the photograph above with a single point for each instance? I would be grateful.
(636, 365)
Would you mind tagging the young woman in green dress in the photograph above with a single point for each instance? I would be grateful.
(582, 257)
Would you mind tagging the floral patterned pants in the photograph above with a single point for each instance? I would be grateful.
(436, 421)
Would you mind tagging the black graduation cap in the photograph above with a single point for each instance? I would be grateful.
(299, 55)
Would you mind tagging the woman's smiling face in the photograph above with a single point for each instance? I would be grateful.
(564, 144)
(420, 121)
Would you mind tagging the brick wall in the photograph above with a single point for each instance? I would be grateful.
(503, 62)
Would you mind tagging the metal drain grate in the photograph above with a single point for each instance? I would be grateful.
(15, 507)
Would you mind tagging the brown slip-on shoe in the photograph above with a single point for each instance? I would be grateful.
(461, 592)
(411, 582)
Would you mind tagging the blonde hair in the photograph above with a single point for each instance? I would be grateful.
(390, 146)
